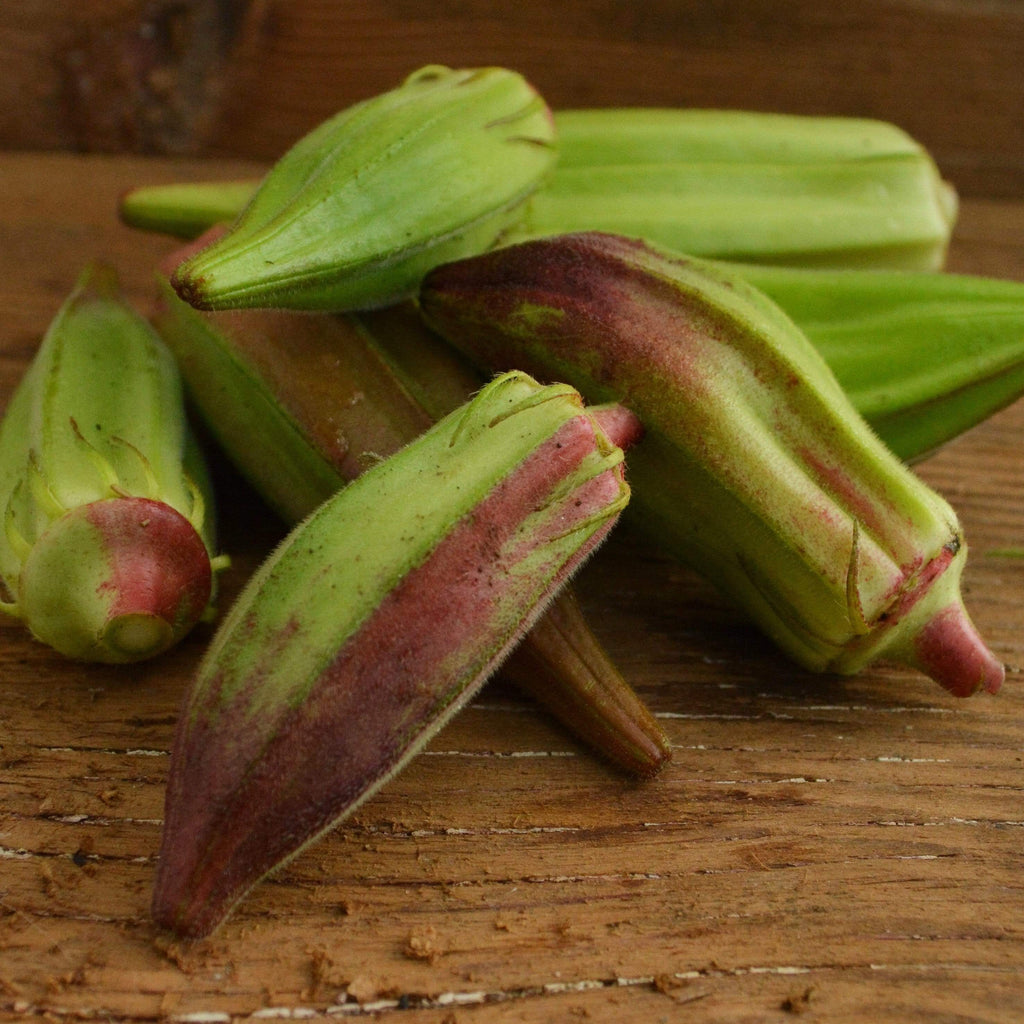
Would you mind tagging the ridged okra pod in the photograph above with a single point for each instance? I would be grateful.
(304, 403)
(355, 212)
(923, 356)
(330, 670)
(755, 468)
(751, 186)
(106, 551)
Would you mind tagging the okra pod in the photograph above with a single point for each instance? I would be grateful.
(846, 214)
(923, 356)
(330, 672)
(755, 467)
(185, 209)
(354, 214)
(107, 548)
(760, 187)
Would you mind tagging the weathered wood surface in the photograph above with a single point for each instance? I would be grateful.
(849, 850)
(247, 77)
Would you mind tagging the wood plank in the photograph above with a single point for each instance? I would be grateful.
(113, 75)
(242, 79)
(849, 849)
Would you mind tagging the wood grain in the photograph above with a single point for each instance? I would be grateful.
(847, 850)
(245, 78)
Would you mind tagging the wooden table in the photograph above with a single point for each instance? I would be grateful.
(846, 849)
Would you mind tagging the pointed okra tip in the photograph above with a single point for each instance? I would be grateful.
(190, 286)
(178, 266)
(929, 629)
(950, 650)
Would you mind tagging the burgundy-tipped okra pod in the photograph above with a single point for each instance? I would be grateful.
(364, 633)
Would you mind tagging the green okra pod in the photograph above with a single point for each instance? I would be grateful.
(106, 551)
(354, 214)
(755, 467)
(743, 185)
(843, 214)
(923, 356)
(185, 209)
(330, 672)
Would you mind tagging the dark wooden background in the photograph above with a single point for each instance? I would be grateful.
(246, 77)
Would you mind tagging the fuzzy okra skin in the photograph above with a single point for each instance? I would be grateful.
(755, 468)
(304, 403)
(106, 551)
(329, 672)
(923, 356)
(354, 214)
